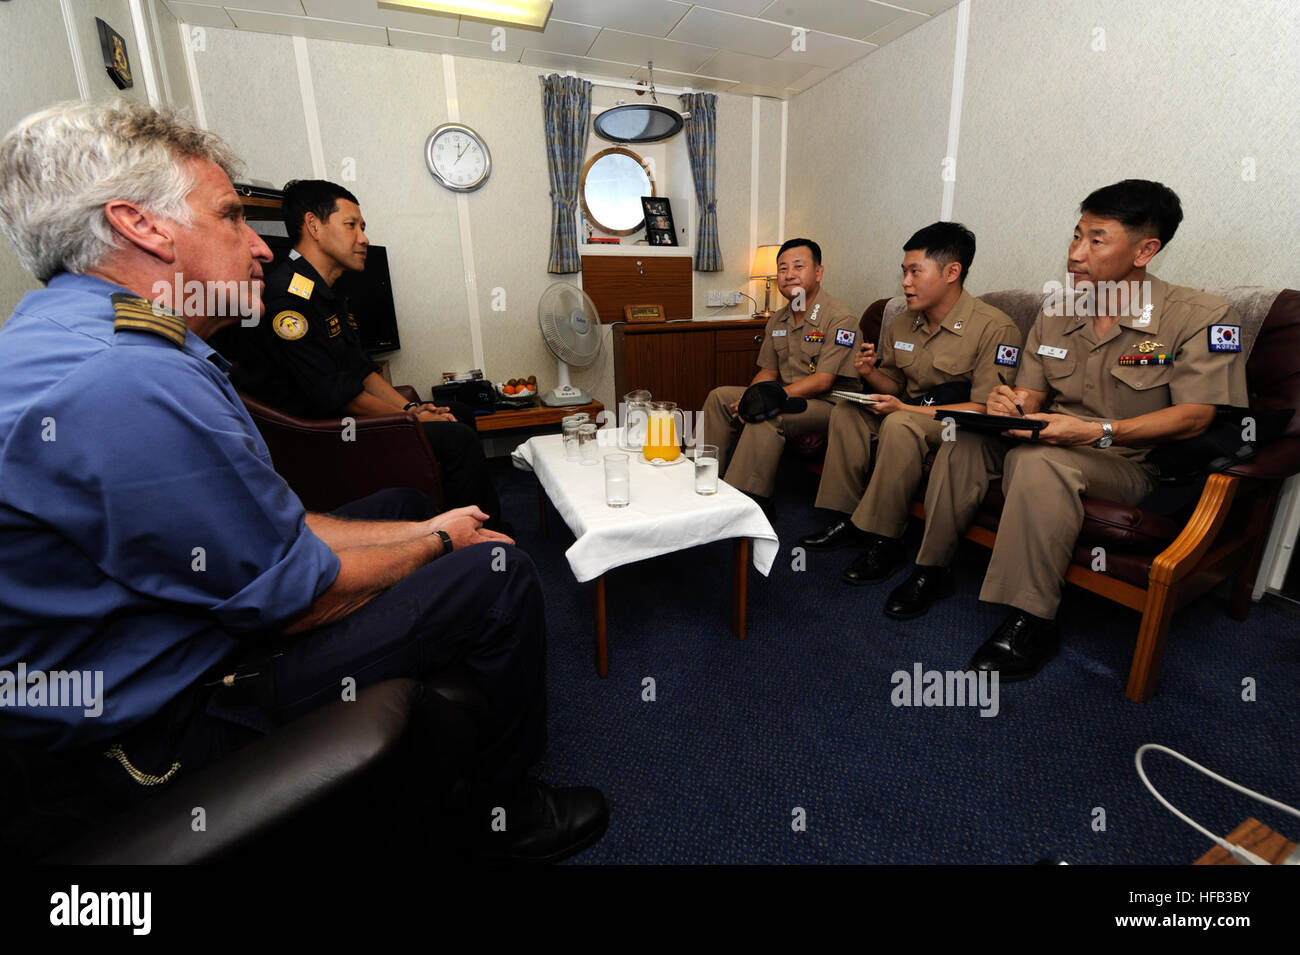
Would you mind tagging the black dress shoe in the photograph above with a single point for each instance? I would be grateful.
(1018, 649)
(829, 538)
(544, 824)
(882, 559)
(913, 597)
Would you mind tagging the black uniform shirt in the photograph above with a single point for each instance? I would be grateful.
(304, 357)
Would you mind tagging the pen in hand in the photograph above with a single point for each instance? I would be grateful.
(1004, 381)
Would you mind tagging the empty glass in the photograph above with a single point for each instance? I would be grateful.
(571, 426)
(588, 450)
(616, 480)
(706, 469)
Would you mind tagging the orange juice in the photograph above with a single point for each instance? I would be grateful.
(661, 436)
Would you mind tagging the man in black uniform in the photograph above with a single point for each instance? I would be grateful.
(305, 356)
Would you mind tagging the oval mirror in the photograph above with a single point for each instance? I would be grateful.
(613, 182)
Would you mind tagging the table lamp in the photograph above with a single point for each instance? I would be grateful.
(764, 267)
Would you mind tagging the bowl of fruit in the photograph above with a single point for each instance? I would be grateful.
(518, 392)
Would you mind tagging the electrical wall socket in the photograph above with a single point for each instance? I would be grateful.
(719, 299)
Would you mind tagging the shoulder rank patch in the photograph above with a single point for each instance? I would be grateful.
(846, 337)
(816, 337)
(136, 314)
(301, 286)
(289, 325)
(1008, 355)
(1225, 338)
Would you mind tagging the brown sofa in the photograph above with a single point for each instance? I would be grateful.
(1162, 554)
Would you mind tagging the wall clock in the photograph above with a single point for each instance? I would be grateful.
(457, 157)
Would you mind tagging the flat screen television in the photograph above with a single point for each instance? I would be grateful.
(369, 294)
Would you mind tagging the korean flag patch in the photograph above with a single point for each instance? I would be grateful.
(1008, 355)
(846, 337)
(1225, 338)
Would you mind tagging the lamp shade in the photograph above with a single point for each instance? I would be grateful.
(764, 266)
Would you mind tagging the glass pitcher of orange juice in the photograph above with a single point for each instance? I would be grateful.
(661, 434)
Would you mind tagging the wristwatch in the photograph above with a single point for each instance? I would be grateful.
(412, 404)
(1107, 436)
(447, 546)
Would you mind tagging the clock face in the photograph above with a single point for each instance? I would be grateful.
(457, 157)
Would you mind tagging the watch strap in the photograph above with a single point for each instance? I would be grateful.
(447, 545)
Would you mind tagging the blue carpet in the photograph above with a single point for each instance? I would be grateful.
(742, 734)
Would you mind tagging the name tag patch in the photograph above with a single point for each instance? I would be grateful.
(778, 333)
(816, 337)
(332, 324)
(903, 346)
(1225, 338)
(846, 337)
(1008, 355)
(1052, 352)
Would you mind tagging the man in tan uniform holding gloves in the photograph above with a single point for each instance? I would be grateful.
(944, 353)
(1111, 379)
(808, 347)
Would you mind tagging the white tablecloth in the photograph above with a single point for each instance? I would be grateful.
(665, 513)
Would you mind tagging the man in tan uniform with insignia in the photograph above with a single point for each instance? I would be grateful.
(808, 347)
(1135, 369)
(943, 354)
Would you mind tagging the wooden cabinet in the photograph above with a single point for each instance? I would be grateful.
(684, 361)
(613, 281)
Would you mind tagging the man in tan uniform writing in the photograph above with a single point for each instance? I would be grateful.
(808, 347)
(943, 354)
(1111, 376)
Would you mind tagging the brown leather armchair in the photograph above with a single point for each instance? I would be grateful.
(326, 472)
(1157, 559)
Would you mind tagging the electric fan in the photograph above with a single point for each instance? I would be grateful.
(571, 330)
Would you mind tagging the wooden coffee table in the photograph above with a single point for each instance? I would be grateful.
(665, 516)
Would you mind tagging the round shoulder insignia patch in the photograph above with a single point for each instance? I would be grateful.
(289, 325)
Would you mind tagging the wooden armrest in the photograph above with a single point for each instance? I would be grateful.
(1181, 557)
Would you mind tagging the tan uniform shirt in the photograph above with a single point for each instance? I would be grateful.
(1191, 341)
(974, 343)
(822, 338)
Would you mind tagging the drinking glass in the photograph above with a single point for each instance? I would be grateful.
(706, 469)
(588, 450)
(616, 480)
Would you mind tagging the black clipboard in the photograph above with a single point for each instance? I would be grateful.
(991, 423)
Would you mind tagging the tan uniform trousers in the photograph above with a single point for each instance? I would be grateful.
(904, 438)
(1042, 517)
(758, 450)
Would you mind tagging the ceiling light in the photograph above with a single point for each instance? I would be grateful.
(525, 13)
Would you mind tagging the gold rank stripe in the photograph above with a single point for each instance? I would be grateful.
(137, 314)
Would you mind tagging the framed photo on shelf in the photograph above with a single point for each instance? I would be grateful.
(658, 221)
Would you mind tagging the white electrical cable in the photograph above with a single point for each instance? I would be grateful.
(1237, 852)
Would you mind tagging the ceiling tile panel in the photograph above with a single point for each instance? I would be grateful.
(823, 49)
(200, 14)
(291, 8)
(777, 74)
(650, 17)
(369, 12)
(727, 31)
(854, 18)
(558, 37)
(748, 8)
(306, 26)
(633, 48)
(905, 22)
(701, 84)
(580, 64)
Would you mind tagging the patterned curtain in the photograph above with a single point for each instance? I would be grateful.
(566, 108)
(702, 144)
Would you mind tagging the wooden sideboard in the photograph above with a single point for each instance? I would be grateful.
(684, 361)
